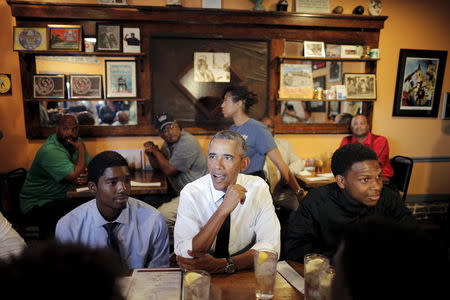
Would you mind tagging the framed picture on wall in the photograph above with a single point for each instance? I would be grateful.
(85, 86)
(120, 79)
(30, 38)
(49, 86)
(131, 40)
(65, 37)
(109, 37)
(360, 86)
(419, 83)
(314, 49)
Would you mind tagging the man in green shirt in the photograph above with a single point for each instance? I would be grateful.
(58, 164)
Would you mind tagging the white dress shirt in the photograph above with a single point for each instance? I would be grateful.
(142, 232)
(253, 223)
(10, 241)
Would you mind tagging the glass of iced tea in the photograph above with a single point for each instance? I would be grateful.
(265, 262)
(314, 264)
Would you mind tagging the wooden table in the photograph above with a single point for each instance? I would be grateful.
(241, 285)
(144, 176)
(308, 184)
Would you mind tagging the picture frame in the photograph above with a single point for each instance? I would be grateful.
(296, 81)
(293, 48)
(85, 86)
(351, 51)
(211, 3)
(113, 2)
(360, 86)
(5, 84)
(312, 6)
(109, 37)
(49, 86)
(332, 50)
(314, 49)
(131, 38)
(120, 78)
(419, 82)
(29, 38)
(446, 107)
(334, 71)
(65, 37)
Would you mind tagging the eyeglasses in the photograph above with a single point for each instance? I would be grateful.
(167, 128)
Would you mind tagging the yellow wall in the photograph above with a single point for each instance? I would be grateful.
(412, 24)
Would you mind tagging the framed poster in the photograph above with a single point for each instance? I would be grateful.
(109, 37)
(131, 40)
(360, 86)
(65, 37)
(30, 38)
(85, 86)
(296, 81)
(5, 85)
(419, 82)
(445, 108)
(120, 79)
(49, 86)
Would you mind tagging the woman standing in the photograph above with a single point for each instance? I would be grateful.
(236, 105)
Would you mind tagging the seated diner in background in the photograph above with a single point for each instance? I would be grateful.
(357, 193)
(359, 127)
(225, 216)
(180, 158)
(132, 228)
(11, 243)
(237, 101)
(59, 164)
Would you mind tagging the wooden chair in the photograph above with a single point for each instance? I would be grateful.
(402, 166)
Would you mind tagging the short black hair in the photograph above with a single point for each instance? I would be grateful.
(51, 270)
(103, 161)
(344, 157)
(240, 93)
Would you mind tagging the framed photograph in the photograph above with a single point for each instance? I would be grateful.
(49, 86)
(334, 71)
(65, 37)
(296, 81)
(333, 50)
(351, 51)
(120, 79)
(360, 86)
(5, 85)
(314, 49)
(445, 108)
(85, 86)
(30, 38)
(131, 40)
(419, 82)
(312, 6)
(109, 37)
(293, 48)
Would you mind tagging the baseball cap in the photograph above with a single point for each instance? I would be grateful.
(163, 120)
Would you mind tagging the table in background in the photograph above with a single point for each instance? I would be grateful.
(241, 285)
(143, 176)
(308, 184)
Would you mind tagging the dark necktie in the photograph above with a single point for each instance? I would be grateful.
(113, 243)
(223, 238)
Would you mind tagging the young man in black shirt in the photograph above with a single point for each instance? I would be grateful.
(357, 193)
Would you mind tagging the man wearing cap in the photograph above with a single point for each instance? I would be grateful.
(181, 159)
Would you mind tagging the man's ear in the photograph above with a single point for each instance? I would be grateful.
(92, 187)
(245, 162)
(340, 180)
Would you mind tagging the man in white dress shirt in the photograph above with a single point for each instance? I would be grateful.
(224, 193)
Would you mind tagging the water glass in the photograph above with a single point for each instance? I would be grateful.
(265, 262)
(314, 264)
(326, 277)
(196, 285)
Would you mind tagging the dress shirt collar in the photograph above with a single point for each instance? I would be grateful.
(99, 221)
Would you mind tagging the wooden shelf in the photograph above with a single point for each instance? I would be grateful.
(83, 99)
(281, 58)
(309, 99)
(80, 53)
